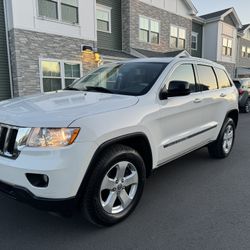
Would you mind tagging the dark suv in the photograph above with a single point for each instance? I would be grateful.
(243, 86)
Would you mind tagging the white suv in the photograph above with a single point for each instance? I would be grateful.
(92, 145)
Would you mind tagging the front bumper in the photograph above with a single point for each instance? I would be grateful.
(65, 168)
(62, 206)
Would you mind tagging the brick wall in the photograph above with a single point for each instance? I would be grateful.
(26, 49)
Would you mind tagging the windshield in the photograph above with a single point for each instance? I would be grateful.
(134, 78)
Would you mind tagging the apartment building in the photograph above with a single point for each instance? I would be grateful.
(46, 40)
(243, 57)
(50, 43)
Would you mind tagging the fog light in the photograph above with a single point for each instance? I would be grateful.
(38, 180)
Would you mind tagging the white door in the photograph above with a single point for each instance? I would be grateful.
(179, 122)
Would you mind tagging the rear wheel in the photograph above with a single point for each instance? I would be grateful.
(222, 147)
(247, 106)
(115, 186)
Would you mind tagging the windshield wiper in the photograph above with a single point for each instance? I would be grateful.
(98, 89)
(72, 88)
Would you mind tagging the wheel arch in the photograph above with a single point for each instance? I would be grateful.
(138, 141)
(234, 114)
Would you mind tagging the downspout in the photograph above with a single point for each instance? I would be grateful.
(8, 46)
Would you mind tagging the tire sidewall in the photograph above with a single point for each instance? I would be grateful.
(228, 122)
(97, 178)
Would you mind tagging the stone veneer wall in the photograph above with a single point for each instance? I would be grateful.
(132, 9)
(26, 49)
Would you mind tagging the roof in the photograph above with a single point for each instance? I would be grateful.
(220, 15)
(244, 27)
(115, 53)
(192, 7)
(215, 14)
(148, 53)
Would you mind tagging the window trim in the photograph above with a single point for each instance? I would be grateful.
(228, 39)
(62, 76)
(59, 13)
(178, 37)
(194, 34)
(245, 52)
(109, 10)
(150, 31)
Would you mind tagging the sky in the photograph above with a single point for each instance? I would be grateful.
(242, 7)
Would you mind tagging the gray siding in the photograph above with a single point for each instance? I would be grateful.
(198, 28)
(137, 8)
(243, 62)
(111, 40)
(4, 68)
(228, 19)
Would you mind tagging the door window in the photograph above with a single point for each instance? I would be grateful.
(185, 72)
(207, 78)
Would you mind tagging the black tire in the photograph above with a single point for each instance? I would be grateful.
(216, 149)
(246, 108)
(91, 207)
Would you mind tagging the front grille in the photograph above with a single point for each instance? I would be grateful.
(8, 136)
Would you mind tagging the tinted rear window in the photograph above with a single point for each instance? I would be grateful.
(207, 78)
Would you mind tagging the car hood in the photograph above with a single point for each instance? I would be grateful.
(60, 109)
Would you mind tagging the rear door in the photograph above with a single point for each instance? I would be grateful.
(212, 101)
(179, 121)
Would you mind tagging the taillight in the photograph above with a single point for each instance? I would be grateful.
(241, 91)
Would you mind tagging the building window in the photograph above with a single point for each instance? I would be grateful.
(48, 8)
(177, 37)
(243, 51)
(62, 10)
(56, 75)
(69, 11)
(248, 52)
(194, 45)
(103, 16)
(149, 30)
(227, 47)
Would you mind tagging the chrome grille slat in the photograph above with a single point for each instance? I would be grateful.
(8, 136)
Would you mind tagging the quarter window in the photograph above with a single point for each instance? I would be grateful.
(103, 16)
(223, 79)
(149, 30)
(207, 78)
(227, 47)
(185, 72)
(177, 37)
(62, 10)
(58, 74)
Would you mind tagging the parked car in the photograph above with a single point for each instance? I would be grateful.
(243, 86)
(91, 146)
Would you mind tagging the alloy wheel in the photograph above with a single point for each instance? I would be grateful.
(119, 187)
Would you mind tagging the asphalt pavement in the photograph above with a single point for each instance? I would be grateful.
(192, 203)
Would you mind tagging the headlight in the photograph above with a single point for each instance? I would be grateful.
(52, 137)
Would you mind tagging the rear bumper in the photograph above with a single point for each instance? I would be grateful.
(62, 206)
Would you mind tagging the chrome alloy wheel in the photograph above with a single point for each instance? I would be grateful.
(228, 139)
(119, 187)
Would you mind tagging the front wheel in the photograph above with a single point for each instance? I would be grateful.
(115, 186)
(222, 147)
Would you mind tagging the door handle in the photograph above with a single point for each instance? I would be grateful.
(197, 100)
(223, 95)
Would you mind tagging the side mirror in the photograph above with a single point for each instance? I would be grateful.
(178, 88)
